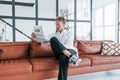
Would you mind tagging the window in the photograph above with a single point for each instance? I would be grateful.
(98, 33)
(49, 27)
(110, 22)
(5, 10)
(83, 9)
(25, 1)
(24, 11)
(26, 17)
(25, 26)
(119, 22)
(109, 14)
(66, 8)
(119, 34)
(6, 31)
(104, 22)
(70, 26)
(99, 17)
(83, 31)
(109, 33)
(98, 24)
(83, 19)
(47, 9)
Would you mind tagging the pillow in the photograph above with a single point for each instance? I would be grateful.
(110, 48)
(40, 50)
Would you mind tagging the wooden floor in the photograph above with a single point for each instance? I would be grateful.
(106, 75)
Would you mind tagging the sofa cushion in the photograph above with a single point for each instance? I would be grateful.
(40, 50)
(90, 47)
(110, 48)
(19, 66)
(14, 50)
(50, 63)
(98, 59)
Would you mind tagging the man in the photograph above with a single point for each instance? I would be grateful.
(62, 45)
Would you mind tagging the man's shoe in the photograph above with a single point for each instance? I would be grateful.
(75, 60)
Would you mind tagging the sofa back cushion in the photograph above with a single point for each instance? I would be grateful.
(88, 47)
(13, 50)
(40, 50)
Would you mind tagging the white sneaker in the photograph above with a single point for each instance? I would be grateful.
(75, 60)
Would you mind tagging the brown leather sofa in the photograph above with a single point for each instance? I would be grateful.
(34, 61)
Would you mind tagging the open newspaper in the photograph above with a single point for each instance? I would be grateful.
(40, 34)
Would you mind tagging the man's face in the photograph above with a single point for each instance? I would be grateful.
(60, 26)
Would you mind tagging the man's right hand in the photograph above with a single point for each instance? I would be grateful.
(33, 35)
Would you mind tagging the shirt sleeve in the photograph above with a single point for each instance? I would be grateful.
(68, 38)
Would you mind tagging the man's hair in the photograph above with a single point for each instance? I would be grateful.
(62, 19)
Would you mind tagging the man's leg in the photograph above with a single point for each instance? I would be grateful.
(63, 67)
(58, 47)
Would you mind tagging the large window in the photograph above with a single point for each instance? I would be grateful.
(25, 11)
(5, 10)
(48, 30)
(83, 25)
(83, 31)
(83, 9)
(98, 24)
(25, 26)
(25, 14)
(66, 9)
(47, 9)
(119, 21)
(6, 31)
(104, 21)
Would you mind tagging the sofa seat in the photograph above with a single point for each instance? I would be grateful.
(8, 67)
(98, 59)
(41, 64)
(50, 63)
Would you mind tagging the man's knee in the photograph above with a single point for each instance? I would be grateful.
(53, 39)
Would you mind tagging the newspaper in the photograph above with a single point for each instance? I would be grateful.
(40, 37)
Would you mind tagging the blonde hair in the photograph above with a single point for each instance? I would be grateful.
(62, 19)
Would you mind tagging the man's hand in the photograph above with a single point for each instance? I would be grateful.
(33, 35)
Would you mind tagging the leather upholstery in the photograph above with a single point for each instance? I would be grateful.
(42, 64)
(34, 61)
(98, 59)
(50, 63)
(18, 66)
(14, 50)
(90, 47)
(40, 50)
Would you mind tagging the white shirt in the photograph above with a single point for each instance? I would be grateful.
(66, 38)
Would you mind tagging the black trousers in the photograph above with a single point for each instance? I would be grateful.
(58, 48)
